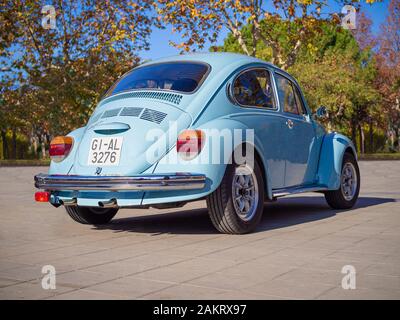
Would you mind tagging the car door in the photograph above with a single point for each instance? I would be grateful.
(301, 150)
(253, 91)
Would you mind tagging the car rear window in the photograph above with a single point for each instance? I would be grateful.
(173, 76)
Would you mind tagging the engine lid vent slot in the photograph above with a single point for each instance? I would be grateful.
(111, 113)
(153, 115)
(131, 111)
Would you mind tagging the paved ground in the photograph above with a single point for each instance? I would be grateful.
(298, 251)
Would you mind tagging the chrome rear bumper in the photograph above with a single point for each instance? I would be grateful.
(155, 182)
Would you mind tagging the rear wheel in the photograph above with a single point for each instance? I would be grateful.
(347, 194)
(236, 206)
(91, 215)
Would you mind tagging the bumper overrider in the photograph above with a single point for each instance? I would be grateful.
(150, 182)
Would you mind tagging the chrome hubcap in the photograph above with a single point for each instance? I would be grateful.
(245, 192)
(349, 181)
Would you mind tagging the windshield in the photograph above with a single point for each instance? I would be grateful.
(176, 76)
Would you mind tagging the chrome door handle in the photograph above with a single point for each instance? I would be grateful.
(289, 123)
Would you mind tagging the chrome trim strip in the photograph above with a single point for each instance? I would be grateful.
(174, 181)
(285, 192)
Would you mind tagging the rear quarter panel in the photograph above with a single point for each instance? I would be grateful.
(65, 166)
(211, 162)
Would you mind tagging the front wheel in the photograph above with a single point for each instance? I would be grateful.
(91, 215)
(236, 206)
(347, 194)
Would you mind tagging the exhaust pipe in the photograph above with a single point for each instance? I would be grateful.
(68, 202)
(112, 203)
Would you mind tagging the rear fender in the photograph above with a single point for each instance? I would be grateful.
(205, 163)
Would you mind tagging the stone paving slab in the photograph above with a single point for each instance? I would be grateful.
(297, 252)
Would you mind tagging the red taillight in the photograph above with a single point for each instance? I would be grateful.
(60, 148)
(42, 196)
(190, 143)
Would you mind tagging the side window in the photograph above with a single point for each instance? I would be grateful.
(253, 88)
(286, 95)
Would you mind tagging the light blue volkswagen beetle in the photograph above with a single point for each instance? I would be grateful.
(228, 128)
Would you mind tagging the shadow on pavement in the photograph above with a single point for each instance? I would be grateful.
(280, 214)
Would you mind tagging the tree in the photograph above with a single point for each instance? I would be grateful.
(388, 79)
(367, 43)
(344, 71)
(362, 34)
(202, 20)
(53, 78)
(345, 87)
(333, 71)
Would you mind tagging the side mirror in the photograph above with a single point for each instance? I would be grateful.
(321, 112)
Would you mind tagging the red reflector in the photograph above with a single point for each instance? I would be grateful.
(42, 196)
(190, 142)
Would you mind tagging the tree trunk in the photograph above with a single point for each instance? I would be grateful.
(390, 138)
(254, 41)
(31, 143)
(362, 139)
(371, 137)
(43, 146)
(21, 154)
(35, 146)
(5, 144)
(14, 144)
(354, 134)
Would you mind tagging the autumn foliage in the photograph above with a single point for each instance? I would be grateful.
(51, 79)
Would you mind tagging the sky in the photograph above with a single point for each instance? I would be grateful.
(159, 41)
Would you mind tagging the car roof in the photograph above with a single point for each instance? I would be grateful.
(217, 60)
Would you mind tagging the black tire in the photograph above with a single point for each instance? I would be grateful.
(336, 199)
(222, 209)
(89, 215)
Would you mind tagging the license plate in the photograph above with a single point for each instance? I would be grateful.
(105, 151)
